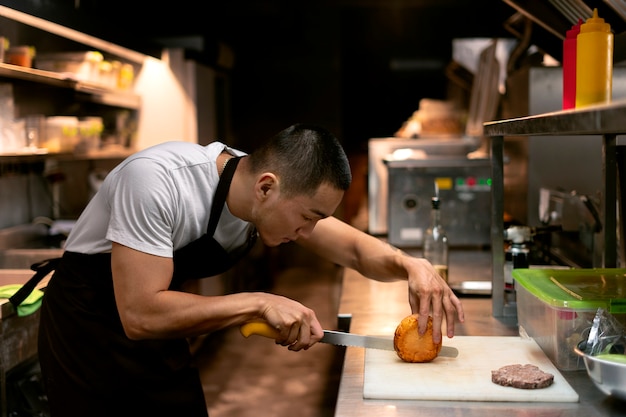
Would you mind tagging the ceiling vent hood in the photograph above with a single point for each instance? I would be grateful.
(552, 18)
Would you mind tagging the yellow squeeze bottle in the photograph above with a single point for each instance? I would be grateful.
(594, 62)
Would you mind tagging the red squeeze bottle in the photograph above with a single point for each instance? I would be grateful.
(569, 66)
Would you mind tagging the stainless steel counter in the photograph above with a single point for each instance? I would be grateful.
(377, 308)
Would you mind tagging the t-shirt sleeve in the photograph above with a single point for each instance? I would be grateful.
(143, 210)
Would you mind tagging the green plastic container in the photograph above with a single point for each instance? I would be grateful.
(556, 307)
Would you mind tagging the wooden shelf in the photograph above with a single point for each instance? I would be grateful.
(91, 92)
(114, 152)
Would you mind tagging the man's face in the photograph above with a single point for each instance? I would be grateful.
(281, 219)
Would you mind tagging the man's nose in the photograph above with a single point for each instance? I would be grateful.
(306, 230)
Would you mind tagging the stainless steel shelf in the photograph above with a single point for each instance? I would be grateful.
(608, 121)
(593, 120)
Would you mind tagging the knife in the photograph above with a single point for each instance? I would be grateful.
(338, 338)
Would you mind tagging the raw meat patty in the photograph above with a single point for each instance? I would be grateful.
(522, 376)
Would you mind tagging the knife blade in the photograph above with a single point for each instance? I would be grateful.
(339, 338)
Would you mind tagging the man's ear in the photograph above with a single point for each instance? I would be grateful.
(266, 184)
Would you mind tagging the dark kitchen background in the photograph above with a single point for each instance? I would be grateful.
(358, 67)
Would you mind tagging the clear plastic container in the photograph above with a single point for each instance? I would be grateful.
(83, 65)
(61, 133)
(89, 133)
(556, 307)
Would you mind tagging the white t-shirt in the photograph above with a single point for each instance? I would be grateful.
(156, 201)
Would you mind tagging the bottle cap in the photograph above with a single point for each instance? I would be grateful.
(595, 24)
(573, 32)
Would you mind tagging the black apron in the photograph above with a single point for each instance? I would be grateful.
(91, 368)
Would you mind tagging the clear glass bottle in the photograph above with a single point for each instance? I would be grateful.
(436, 241)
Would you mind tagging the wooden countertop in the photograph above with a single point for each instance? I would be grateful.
(377, 308)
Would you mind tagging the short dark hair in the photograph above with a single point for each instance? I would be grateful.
(304, 157)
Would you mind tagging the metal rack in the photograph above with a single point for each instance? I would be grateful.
(608, 121)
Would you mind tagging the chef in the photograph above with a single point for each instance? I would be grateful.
(114, 320)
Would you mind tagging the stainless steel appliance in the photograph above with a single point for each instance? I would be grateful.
(561, 171)
(401, 178)
(381, 149)
(439, 153)
(464, 187)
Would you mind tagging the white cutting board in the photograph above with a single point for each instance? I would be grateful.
(464, 378)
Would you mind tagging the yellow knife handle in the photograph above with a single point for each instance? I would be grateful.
(261, 328)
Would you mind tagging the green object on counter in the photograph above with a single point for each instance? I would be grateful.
(613, 357)
(578, 289)
(29, 305)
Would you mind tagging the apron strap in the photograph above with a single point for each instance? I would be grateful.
(220, 194)
(41, 269)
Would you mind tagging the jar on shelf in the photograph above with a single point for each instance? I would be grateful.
(89, 132)
(61, 133)
(21, 55)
